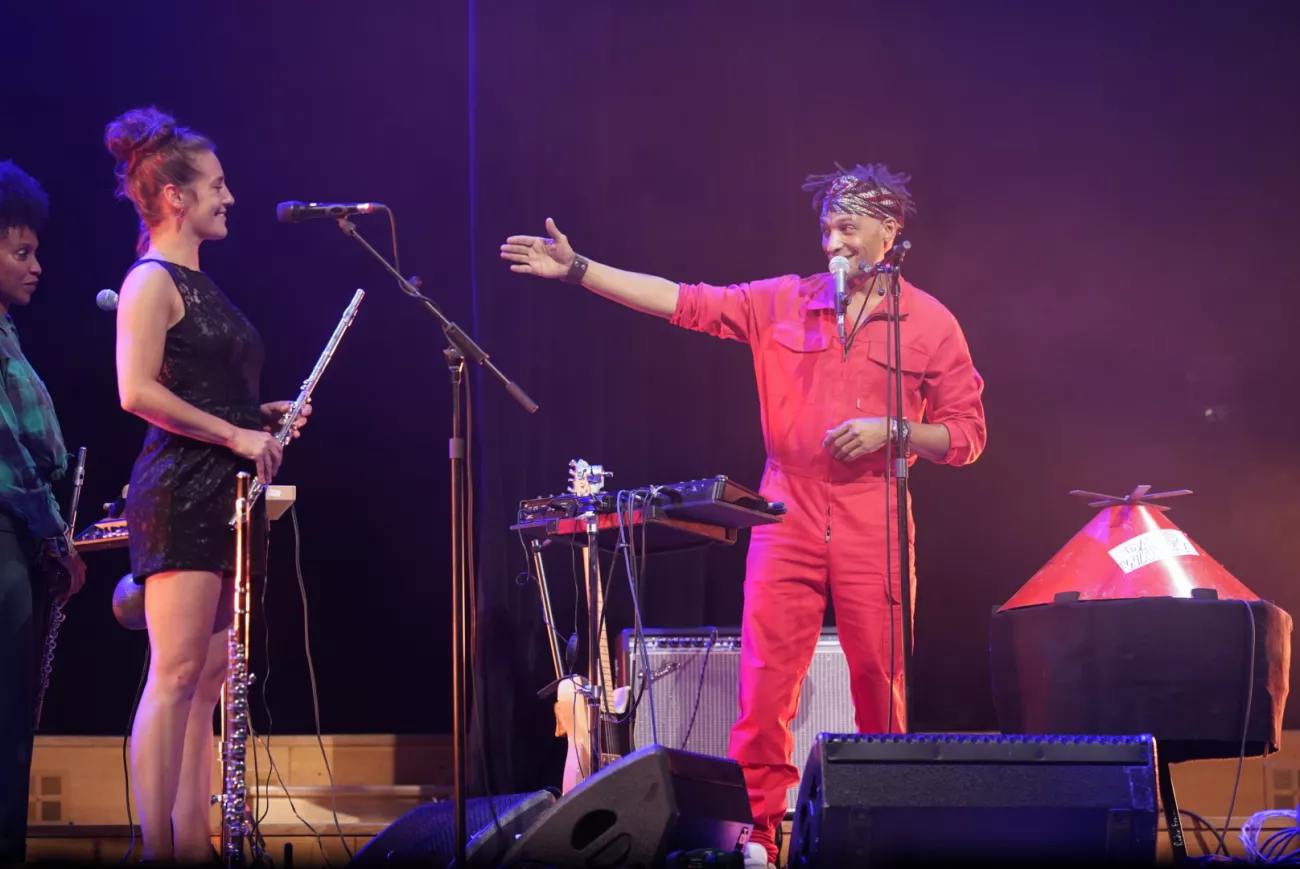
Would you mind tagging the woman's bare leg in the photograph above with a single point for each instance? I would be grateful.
(192, 811)
(180, 607)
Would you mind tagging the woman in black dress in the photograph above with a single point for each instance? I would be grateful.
(188, 362)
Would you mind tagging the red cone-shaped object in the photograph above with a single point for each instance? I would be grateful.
(1129, 550)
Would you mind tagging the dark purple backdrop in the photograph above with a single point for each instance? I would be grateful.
(1106, 195)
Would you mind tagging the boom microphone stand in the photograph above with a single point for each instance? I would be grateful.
(890, 266)
(462, 348)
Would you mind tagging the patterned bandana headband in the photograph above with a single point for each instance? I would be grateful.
(867, 190)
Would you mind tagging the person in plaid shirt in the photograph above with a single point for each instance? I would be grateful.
(32, 530)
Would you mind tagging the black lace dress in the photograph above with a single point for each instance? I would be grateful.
(182, 491)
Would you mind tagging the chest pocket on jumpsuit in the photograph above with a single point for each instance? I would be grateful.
(871, 398)
(797, 359)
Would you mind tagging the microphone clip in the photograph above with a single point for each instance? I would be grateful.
(891, 262)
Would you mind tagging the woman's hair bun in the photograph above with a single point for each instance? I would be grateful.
(138, 133)
(152, 151)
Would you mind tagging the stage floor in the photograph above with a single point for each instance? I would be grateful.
(78, 806)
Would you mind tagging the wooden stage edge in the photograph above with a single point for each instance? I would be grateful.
(78, 810)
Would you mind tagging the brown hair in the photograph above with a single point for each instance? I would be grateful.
(151, 152)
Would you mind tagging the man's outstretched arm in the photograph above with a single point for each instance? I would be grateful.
(554, 258)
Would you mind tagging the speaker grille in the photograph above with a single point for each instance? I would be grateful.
(872, 800)
(697, 672)
(987, 748)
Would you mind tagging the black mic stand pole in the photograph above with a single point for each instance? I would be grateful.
(462, 348)
(891, 266)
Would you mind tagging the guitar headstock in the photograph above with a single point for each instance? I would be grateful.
(586, 480)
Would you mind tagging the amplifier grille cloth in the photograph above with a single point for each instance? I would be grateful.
(676, 659)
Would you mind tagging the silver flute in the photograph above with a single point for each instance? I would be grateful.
(285, 434)
(56, 606)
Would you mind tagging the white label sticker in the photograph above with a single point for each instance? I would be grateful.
(1152, 546)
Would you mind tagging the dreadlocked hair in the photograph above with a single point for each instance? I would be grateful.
(23, 204)
(874, 175)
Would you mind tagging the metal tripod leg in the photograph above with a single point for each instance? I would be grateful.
(553, 638)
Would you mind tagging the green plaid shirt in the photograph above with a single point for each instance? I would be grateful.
(32, 452)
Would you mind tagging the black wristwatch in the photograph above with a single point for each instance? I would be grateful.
(577, 271)
(906, 438)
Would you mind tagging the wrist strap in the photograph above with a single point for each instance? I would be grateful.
(577, 271)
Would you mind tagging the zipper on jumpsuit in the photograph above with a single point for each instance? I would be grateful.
(844, 359)
(844, 367)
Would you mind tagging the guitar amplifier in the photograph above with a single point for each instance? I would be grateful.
(695, 674)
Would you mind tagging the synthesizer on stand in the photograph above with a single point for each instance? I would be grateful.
(107, 533)
(648, 519)
(720, 500)
(673, 517)
(112, 532)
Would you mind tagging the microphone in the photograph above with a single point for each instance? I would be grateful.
(106, 300)
(840, 271)
(893, 258)
(293, 212)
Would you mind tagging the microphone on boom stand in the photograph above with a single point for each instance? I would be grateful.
(899, 446)
(462, 350)
(295, 211)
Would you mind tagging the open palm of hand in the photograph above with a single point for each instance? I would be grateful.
(544, 257)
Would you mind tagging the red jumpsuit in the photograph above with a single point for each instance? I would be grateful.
(833, 538)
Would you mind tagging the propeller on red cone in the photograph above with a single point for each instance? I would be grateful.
(1131, 549)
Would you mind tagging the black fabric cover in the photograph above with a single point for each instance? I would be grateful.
(1176, 668)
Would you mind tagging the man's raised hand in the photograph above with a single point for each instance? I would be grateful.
(544, 257)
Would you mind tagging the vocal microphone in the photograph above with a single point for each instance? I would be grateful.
(292, 212)
(840, 271)
(106, 300)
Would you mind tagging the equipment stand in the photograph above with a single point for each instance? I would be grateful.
(594, 688)
(535, 547)
(890, 267)
(459, 620)
(464, 348)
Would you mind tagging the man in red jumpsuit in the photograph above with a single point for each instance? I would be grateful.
(825, 424)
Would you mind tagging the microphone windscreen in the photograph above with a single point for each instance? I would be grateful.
(839, 264)
(106, 300)
(286, 212)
